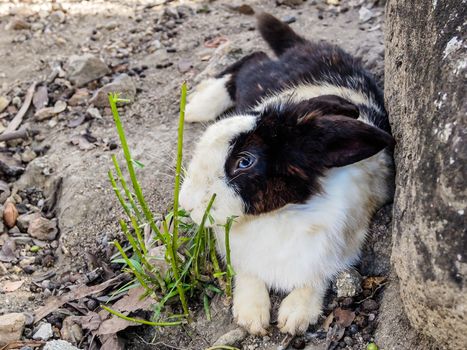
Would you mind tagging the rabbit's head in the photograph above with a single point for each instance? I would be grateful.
(273, 156)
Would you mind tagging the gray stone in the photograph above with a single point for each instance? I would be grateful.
(86, 68)
(425, 96)
(11, 327)
(231, 338)
(123, 85)
(43, 229)
(59, 345)
(44, 332)
(348, 283)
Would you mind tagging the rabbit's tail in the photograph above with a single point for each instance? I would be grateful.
(279, 36)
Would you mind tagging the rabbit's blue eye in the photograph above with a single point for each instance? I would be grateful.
(245, 161)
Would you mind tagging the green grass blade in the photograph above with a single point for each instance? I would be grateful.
(118, 194)
(125, 187)
(138, 320)
(113, 99)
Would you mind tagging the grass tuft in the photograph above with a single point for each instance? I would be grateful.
(191, 265)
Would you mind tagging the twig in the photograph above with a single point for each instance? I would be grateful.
(19, 134)
(18, 119)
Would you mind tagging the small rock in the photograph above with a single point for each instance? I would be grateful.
(244, 9)
(232, 337)
(59, 106)
(289, 19)
(59, 345)
(86, 68)
(333, 2)
(79, 97)
(44, 332)
(298, 343)
(41, 97)
(28, 155)
(184, 66)
(365, 14)
(48, 112)
(16, 101)
(17, 24)
(10, 214)
(27, 262)
(57, 17)
(123, 85)
(348, 341)
(371, 317)
(370, 305)
(94, 113)
(348, 283)
(4, 102)
(11, 327)
(43, 229)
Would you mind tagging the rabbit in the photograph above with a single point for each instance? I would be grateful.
(302, 163)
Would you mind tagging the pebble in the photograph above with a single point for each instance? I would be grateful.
(11, 327)
(86, 68)
(370, 305)
(27, 261)
(28, 155)
(123, 84)
(43, 229)
(232, 337)
(4, 102)
(289, 19)
(59, 345)
(94, 113)
(365, 14)
(10, 214)
(24, 220)
(17, 24)
(348, 341)
(353, 329)
(79, 97)
(298, 343)
(371, 317)
(16, 101)
(348, 283)
(44, 332)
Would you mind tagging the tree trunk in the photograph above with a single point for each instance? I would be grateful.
(425, 79)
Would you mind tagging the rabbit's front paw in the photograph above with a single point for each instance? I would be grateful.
(253, 316)
(251, 304)
(298, 310)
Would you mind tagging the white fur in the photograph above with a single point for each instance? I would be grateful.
(202, 107)
(251, 303)
(299, 247)
(206, 172)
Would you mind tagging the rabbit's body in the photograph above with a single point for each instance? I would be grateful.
(307, 244)
(301, 164)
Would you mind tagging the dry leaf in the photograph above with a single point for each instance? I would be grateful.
(54, 303)
(373, 282)
(10, 214)
(344, 317)
(129, 303)
(9, 286)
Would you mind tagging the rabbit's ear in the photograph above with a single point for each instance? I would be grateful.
(344, 140)
(329, 105)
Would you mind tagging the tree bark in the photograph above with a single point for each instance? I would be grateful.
(425, 80)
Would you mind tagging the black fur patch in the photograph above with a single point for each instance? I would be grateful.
(294, 144)
(300, 61)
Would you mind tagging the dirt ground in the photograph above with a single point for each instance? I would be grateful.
(159, 44)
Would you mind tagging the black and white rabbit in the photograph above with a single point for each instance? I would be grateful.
(303, 163)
